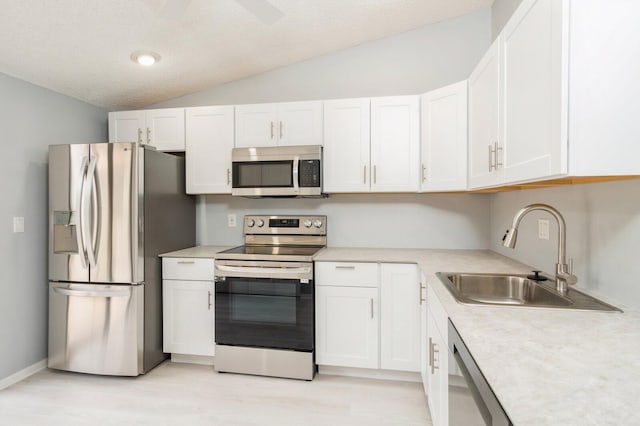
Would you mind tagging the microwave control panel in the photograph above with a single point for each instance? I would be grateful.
(309, 173)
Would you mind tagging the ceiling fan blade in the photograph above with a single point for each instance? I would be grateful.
(174, 9)
(263, 10)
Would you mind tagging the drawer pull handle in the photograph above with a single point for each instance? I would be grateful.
(186, 262)
(346, 267)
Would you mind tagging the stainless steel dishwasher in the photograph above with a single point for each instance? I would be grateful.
(471, 400)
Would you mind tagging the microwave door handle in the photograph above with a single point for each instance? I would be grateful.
(296, 165)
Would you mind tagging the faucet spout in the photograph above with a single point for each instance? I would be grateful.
(564, 274)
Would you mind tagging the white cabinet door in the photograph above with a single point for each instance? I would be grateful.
(535, 88)
(346, 155)
(165, 129)
(300, 123)
(395, 144)
(188, 317)
(256, 125)
(347, 326)
(437, 396)
(127, 126)
(484, 120)
(210, 136)
(424, 335)
(400, 296)
(161, 128)
(444, 138)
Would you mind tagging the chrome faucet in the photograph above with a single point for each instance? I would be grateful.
(564, 271)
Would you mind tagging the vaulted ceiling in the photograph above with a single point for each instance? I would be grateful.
(82, 48)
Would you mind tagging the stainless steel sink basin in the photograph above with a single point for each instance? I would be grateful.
(515, 290)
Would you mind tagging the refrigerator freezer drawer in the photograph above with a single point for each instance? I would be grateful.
(96, 328)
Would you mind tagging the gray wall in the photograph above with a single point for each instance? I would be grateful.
(31, 118)
(363, 220)
(603, 234)
(501, 11)
(409, 63)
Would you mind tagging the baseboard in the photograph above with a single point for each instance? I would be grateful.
(367, 373)
(192, 359)
(23, 374)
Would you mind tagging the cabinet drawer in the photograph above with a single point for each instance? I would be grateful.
(175, 268)
(348, 274)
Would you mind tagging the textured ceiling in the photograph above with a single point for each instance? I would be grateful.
(82, 48)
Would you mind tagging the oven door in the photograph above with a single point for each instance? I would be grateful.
(265, 306)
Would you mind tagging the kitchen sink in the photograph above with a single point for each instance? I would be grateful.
(515, 290)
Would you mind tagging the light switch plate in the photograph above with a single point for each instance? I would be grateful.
(543, 229)
(18, 224)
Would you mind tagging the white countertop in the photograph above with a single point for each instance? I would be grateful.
(546, 366)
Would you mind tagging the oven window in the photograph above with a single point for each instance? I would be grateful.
(265, 312)
(263, 174)
(264, 303)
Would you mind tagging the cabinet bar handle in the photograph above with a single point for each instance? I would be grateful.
(498, 153)
(272, 130)
(186, 262)
(209, 299)
(148, 135)
(424, 173)
(420, 297)
(374, 174)
(430, 352)
(365, 174)
(281, 130)
(345, 267)
(491, 166)
(228, 176)
(371, 308)
(139, 135)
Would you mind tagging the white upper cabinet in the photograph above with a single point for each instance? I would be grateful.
(395, 144)
(346, 156)
(535, 86)
(163, 129)
(484, 119)
(444, 139)
(292, 123)
(209, 141)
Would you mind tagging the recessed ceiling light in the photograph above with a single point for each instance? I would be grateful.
(145, 58)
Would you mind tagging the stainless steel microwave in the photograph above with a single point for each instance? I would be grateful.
(280, 171)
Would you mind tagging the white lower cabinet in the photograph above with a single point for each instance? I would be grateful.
(347, 326)
(188, 307)
(368, 315)
(437, 361)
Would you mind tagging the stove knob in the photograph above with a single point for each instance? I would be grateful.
(260, 223)
(317, 223)
(250, 223)
(307, 223)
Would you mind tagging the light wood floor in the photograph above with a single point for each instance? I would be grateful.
(186, 394)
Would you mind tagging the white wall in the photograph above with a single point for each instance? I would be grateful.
(363, 220)
(31, 118)
(409, 63)
(501, 11)
(603, 234)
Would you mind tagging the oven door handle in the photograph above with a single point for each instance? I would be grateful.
(267, 270)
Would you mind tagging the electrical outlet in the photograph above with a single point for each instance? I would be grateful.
(543, 229)
(18, 224)
(231, 220)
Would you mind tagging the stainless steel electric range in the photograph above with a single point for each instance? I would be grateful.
(265, 298)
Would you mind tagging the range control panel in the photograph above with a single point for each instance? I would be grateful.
(287, 225)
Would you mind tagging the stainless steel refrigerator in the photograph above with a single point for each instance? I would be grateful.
(113, 207)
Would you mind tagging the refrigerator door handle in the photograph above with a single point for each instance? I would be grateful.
(87, 190)
(82, 251)
(86, 293)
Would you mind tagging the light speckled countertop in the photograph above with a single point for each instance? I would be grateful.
(546, 366)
